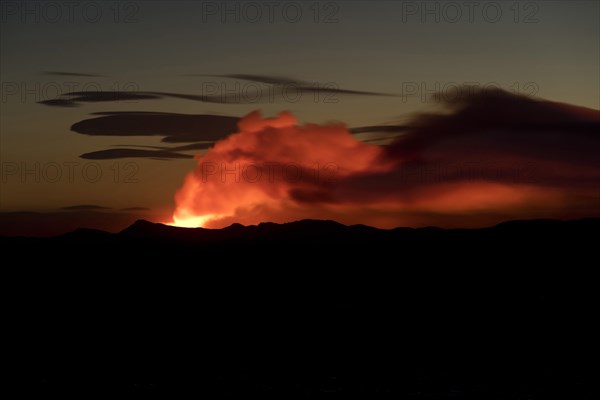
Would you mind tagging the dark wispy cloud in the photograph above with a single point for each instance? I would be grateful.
(331, 88)
(282, 90)
(135, 209)
(252, 95)
(296, 86)
(111, 154)
(85, 207)
(379, 134)
(73, 74)
(380, 128)
(157, 153)
(74, 99)
(60, 103)
(176, 128)
(268, 79)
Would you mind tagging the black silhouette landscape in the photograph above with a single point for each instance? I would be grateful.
(308, 307)
(208, 198)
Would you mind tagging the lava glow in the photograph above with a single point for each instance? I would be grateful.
(192, 221)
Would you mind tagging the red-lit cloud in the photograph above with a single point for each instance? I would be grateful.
(494, 156)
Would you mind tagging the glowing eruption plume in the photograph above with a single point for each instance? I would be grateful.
(267, 168)
(495, 156)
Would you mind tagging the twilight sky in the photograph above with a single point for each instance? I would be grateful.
(104, 105)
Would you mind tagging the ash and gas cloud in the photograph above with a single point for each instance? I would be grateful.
(489, 157)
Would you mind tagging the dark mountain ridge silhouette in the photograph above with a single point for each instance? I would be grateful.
(307, 307)
(332, 230)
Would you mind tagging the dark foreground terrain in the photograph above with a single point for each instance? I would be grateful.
(508, 312)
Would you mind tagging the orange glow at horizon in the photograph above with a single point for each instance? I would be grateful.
(185, 220)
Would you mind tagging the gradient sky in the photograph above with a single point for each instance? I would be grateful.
(548, 49)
